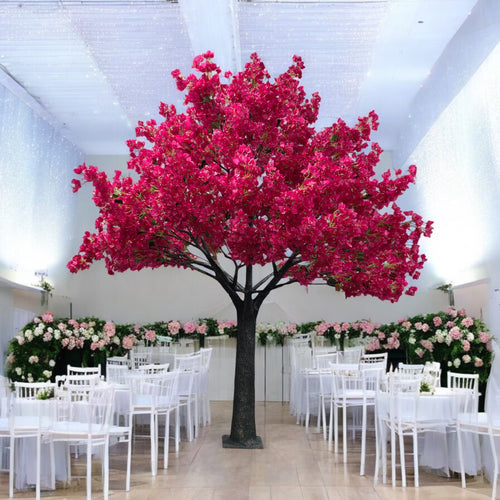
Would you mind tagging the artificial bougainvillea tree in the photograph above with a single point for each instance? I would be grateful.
(241, 179)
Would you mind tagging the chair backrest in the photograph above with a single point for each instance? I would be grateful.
(117, 360)
(206, 356)
(323, 361)
(190, 362)
(467, 385)
(432, 375)
(90, 406)
(152, 368)
(34, 390)
(403, 393)
(374, 358)
(117, 373)
(300, 357)
(83, 370)
(140, 356)
(411, 370)
(351, 354)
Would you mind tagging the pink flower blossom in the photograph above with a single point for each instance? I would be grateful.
(174, 327)
(468, 321)
(47, 336)
(484, 337)
(437, 321)
(452, 312)
(418, 325)
(37, 320)
(455, 333)
(466, 345)
(47, 317)
(450, 324)
(109, 329)
(150, 335)
(425, 327)
(189, 327)
(427, 344)
(478, 362)
(406, 324)
(202, 329)
(374, 345)
(128, 341)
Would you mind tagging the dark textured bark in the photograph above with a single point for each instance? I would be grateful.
(243, 428)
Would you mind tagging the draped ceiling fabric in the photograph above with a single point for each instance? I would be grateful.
(99, 66)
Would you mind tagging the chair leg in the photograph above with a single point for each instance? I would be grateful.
(11, 467)
(129, 460)
(393, 455)
(402, 458)
(38, 459)
(336, 427)
(177, 429)
(344, 432)
(166, 440)
(461, 456)
(363, 442)
(89, 469)
(495, 464)
(152, 439)
(415, 457)
(106, 469)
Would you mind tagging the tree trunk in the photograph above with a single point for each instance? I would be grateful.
(243, 429)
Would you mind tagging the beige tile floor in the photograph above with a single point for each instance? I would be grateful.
(293, 465)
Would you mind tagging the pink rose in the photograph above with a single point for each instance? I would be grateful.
(437, 321)
(47, 317)
(189, 327)
(484, 337)
(202, 329)
(468, 321)
(174, 327)
(150, 335)
(466, 345)
(455, 333)
(478, 362)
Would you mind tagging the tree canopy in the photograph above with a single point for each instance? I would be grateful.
(241, 176)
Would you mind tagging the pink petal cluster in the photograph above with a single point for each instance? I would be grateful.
(242, 172)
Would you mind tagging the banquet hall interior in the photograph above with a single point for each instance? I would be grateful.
(76, 77)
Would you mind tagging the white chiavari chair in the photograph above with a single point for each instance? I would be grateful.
(84, 417)
(206, 356)
(190, 367)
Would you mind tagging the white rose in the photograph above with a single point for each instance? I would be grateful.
(57, 334)
(457, 362)
(466, 358)
(19, 370)
(47, 373)
(470, 336)
(52, 363)
(412, 340)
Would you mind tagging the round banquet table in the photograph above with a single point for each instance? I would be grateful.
(438, 451)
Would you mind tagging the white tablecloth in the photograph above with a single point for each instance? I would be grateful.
(438, 451)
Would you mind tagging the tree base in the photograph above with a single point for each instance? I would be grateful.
(249, 444)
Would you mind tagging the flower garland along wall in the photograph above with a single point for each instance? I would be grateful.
(459, 342)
